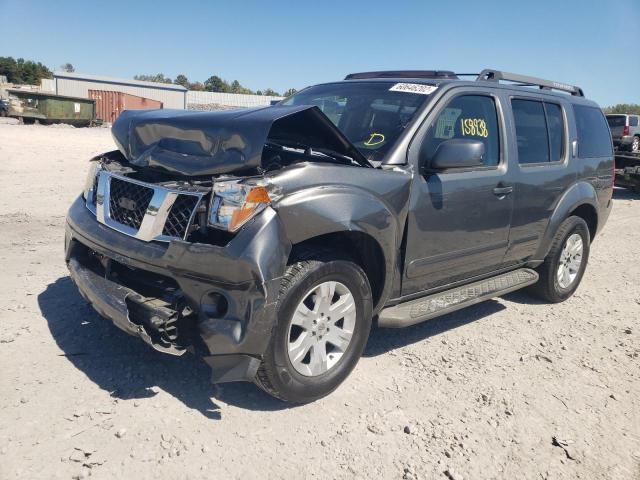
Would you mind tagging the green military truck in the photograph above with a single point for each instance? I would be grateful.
(30, 106)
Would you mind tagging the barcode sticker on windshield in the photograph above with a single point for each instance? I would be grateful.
(413, 88)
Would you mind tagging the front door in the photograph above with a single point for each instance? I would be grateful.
(458, 224)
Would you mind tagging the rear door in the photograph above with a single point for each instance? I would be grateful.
(458, 223)
(540, 131)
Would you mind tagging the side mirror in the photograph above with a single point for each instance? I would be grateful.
(455, 153)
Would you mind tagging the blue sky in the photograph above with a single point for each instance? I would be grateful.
(282, 44)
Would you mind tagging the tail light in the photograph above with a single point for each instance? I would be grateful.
(625, 131)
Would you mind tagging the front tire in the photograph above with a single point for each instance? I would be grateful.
(324, 318)
(564, 266)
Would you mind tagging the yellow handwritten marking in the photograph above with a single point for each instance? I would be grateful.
(374, 139)
(474, 127)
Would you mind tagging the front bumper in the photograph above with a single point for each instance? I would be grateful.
(230, 290)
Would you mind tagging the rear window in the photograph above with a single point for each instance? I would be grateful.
(531, 131)
(539, 131)
(594, 138)
(555, 125)
(633, 121)
(616, 120)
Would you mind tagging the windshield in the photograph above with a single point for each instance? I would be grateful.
(371, 115)
(616, 120)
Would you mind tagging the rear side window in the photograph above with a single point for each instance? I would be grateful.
(633, 121)
(539, 131)
(531, 131)
(555, 126)
(594, 138)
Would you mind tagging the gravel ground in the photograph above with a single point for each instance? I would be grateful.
(510, 388)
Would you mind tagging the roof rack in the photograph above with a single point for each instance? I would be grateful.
(441, 74)
(523, 80)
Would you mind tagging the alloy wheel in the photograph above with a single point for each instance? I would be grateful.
(321, 328)
(570, 261)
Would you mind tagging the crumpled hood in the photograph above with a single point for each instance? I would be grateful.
(206, 143)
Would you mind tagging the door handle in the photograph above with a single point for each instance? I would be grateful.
(501, 191)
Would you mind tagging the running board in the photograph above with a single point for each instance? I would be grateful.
(426, 308)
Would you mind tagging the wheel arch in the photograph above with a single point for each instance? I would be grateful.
(359, 246)
(581, 200)
(589, 214)
(351, 221)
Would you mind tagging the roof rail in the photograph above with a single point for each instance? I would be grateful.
(525, 81)
(441, 74)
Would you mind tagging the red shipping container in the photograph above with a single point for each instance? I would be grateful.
(109, 105)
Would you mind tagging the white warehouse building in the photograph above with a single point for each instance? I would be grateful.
(78, 85)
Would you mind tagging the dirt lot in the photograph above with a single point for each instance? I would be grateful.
(507, 389)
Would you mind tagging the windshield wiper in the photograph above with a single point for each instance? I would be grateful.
(317, 152)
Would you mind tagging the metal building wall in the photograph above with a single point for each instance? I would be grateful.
(48, 85)
(79, 87)
(228, 99)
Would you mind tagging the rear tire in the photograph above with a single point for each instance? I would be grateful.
(564, 266)
(635, 145)
(301, 363)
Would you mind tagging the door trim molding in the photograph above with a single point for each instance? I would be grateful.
(418, 267)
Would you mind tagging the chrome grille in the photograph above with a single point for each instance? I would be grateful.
(143, 210)
(92, 195)
(128, 202)
(180, 216)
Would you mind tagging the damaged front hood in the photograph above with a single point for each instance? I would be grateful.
(207, 143)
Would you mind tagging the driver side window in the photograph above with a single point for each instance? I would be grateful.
(471, 117)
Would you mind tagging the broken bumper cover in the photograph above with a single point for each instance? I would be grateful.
(111, 300)
(231, 290)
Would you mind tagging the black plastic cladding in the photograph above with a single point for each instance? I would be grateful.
(403, 74)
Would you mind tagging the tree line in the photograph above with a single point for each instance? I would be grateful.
(213, 84)
(632, 108)
(23, 71)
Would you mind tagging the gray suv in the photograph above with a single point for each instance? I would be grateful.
(625, 131)
(269, 240)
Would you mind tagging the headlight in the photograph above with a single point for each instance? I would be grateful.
(90, 183)
(234, 203)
